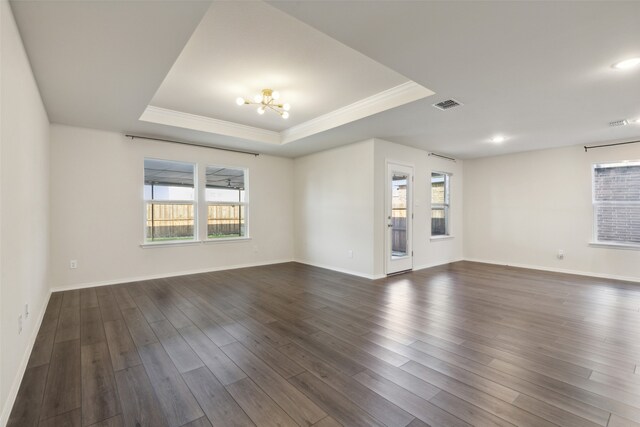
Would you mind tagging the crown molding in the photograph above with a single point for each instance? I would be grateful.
(385, 100)
(180, 119)
(382, 101)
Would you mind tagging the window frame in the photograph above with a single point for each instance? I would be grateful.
(446, 207)
(244, 205)
(194, 203)
(595, 204)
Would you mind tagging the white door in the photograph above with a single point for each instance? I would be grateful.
(399, 217)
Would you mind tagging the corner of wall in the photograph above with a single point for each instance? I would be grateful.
(15, 386)
(3, 403)
(334, 200)
(427, 253)
(24, 250)
(515, 215)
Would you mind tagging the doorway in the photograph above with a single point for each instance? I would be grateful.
(399, 216)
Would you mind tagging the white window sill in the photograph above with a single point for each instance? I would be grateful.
(194, 242)
(615, 245)
(227, 240)
(171, 243)
(436, 238)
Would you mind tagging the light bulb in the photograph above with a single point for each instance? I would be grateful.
(240, 101)
(498, 139)
(627, 63)
(258, 98)
(286, 107)
(285, 115)
(275, 95)
(261, 110)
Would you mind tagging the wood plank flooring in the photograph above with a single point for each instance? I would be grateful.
(292, 345)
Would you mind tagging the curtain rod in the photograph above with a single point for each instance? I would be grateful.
(442, 157)
(587, 148)
(195, 144)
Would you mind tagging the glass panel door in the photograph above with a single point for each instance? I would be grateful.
(399, 215)
(398, 218)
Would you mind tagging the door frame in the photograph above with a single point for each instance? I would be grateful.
(388, 266)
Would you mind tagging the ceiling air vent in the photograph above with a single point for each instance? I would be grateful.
(445, 105)
(619, 123)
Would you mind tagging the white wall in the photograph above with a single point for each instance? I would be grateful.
(333, 196)
(427, 252)
(97, 210)
(521, 208)
(339, 198)
(24, 208)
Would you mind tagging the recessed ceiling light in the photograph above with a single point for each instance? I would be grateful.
(627, 63)
(498, 139)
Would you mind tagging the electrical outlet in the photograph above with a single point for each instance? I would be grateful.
(20, 324)
(560, 254)
(73, 263)
(350, 253)
(26, 311)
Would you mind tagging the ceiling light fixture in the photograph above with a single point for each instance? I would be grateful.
(267, 100)
(498, 139)
(627, 64)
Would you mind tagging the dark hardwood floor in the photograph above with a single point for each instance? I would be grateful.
(288, 344)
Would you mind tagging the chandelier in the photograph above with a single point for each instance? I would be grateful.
(268, 99)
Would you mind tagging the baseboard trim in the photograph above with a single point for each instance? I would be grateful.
(558, 270)
(164, 275)
(341, 270)
(436, 264)
(431, 265)
(372, 276)
(17, 380)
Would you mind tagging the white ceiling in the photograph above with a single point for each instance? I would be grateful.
(98, 63)
(240, 48)
(538, 72)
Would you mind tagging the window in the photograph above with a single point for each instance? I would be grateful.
(169, 194)
(440, 204)
(226, 202)
(616, 203)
